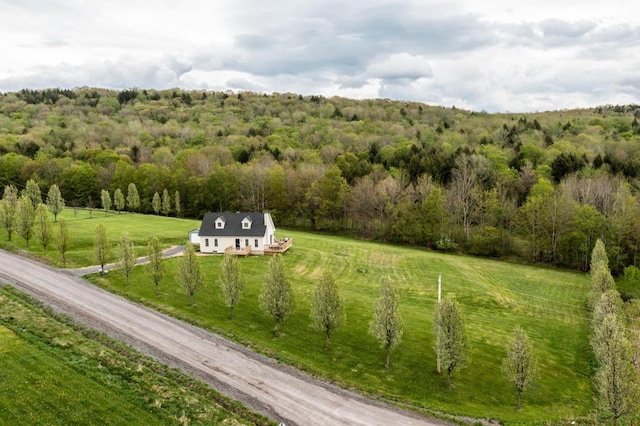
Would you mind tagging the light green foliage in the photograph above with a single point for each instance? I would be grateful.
(387, 325)
(133, 198)
(44, 231)
(63, 241)
(155, 267)
(25, 216)
(276, 298)
(190, 276)
(601, 281)
(55, 202)
(166, 202)
(609, 303)
(327, 310)
(105, 197)
(176, 199)
(118, 200)
(230, 283)
(8, 207)
(451, 336)
(126, 256)
(101, 246)
(32, 191)
(156, 203)
(615, 380)
(520, 367)
(599, 257)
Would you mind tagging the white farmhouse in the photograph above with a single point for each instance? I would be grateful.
(240, 233)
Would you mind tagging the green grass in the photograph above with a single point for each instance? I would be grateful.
(82, 226)
(494, 297)
(54, 373)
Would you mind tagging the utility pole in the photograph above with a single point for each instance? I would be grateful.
(438, 321)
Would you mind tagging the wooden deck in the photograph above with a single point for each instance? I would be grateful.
(279, 247)
(238, 252)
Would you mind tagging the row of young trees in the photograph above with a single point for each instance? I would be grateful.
(616, 380)
(327, 312)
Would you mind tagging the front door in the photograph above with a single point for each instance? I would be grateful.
(237, 243)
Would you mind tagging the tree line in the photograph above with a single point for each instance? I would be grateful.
(401, 172)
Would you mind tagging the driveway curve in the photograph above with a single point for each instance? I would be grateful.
(280, 392)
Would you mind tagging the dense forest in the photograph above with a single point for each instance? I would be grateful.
(537, 187)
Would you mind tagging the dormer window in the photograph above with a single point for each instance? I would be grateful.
(246, 223)
(220, 223)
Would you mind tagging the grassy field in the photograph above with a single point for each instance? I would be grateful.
(82, 225)
(494, 297)
(54, 374)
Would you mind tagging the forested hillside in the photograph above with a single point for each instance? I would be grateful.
(536, 187)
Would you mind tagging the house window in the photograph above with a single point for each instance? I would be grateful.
(206, 242)
(245, 225)
(215, 242)
(246, 243)
(255, 243)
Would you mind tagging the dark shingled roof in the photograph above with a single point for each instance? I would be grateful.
(232, 225)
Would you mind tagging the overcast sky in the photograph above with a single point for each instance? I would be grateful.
(510, 56)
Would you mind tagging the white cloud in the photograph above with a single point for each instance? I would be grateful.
(498, 56)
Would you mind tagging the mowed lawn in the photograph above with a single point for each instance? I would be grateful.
(494, 297)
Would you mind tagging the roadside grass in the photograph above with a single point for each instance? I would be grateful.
(82, 224)
(494, 297)
(55, 373)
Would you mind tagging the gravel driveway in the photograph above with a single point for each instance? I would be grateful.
(278, 391)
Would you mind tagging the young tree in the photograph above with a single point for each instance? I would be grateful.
(25, 216)
(133, 199)
(101, 246)
(8, 207)
(276, 298)
(55, 202)
(386, 324)
(63, 242)
(520, 367)
(155, 267)
(44, 232)
(599, 258)
(615, 379)
(166, 202)
(106, 201)
(156, 204)
(176, 198)
(32, 191)
(118, 200)
(327, 311)
(189, 275)
(601, 282)
(451, 336)
(230, 282)
(126, 256)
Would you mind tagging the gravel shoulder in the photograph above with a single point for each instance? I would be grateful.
(278, 391)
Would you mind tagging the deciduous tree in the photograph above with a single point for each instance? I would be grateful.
(25, 216)
(176, 199)
(133, 198)
(189, 275)
(101, 246)
(451, 337)
(327, 311)
(118, 200)
(520, 367)
(387, 325)
(106, 201)
(156, 266)
(32, 191)
(126, 256)
(166, 202)
(276, 298)
(44, 232)
(63, 241)
(8, 207)
(55, 202)
(230, 282)
(156, 204)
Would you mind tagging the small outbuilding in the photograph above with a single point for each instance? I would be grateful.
(240, 233)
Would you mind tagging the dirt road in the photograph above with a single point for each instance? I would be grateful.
(277, 391)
